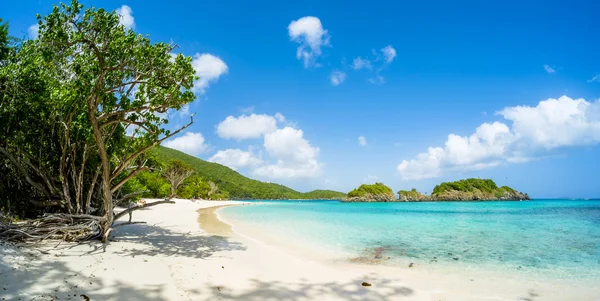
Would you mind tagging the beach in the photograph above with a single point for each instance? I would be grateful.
(185, 252)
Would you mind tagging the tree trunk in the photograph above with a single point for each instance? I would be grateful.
(106, 193)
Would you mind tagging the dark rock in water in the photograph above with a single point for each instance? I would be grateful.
(411, 265)
(455, 258)
(366, 284)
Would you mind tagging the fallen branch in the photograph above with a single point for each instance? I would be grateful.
(127, 223)
(141, 206)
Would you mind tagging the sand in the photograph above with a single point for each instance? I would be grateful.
(173, 258)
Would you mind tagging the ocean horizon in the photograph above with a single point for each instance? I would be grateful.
(542, 238)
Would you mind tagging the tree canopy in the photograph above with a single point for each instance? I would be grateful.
(374, 189)
(81, 105)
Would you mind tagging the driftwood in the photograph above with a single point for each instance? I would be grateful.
(67, 227)
(61, 226)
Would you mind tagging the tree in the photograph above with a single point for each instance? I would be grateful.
(194, 187)
(176, 173)
(213, 188)
(92, 96)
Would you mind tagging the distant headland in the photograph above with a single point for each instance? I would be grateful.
(463, 190)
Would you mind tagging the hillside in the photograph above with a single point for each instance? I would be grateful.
(237, 185)
(377, 192)
(465, 190)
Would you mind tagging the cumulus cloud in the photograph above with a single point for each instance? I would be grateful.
(389, 53)
(289, 154)
(309, 33)
(209, 68)
(553, 123)
(360, 63)
(235, 158)
(549, 69)
(296, 157)
(126, 16)
(362, 141)
(556, 122)
(248, 126)
(337, 77)
(32, 31)
(190, 143)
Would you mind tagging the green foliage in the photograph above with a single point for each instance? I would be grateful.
(235, 185)
(323, 194)
(365, 189)
(67, 99)
(467, 185)
(413, 193)
(194, 187)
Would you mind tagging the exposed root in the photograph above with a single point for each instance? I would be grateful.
(52, 226)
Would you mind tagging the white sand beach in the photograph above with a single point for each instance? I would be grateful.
(173, 258)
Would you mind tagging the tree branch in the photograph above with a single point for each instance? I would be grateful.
(125, 163)
(138, 207)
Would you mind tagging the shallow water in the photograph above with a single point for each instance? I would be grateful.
(550, 238)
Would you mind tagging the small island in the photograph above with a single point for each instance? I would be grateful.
(377, 192)
(463, 190)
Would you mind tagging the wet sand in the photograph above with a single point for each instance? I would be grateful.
(211, 224)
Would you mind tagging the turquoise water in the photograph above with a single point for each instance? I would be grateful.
(554, 238)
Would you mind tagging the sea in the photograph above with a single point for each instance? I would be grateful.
(558, 238)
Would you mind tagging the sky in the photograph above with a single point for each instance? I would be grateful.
(334, 94)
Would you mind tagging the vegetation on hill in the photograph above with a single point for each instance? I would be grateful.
(229, 181)
(411, 195)
(377, 192)
(475, 189)
(68, 99)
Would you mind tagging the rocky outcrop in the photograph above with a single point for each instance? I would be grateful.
(411, 196)
(479, 196)
(386, 197)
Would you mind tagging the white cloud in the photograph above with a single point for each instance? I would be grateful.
(360, 63)
(556, 122)
(596, 78)
(296, 157)
(337, 77)
(235, 158)
(288, 144)
(389, 53)
(309, 33)
(553, 123)
(549, 69)
(33, 30)
(209, 68)
(248, 126)
(126, 17)
(362, 141)
(190, 143)
(279, 117)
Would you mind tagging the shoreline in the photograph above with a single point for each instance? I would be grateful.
(173, 258)
(459, 276)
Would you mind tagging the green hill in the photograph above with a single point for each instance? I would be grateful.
(475, 189)
(237, 185)
(377, 192)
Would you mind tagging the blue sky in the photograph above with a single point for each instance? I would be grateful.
(455, 68)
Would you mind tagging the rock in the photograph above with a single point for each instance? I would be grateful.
(455, 258)
(411, 265)
(369, 198)
(366, 284)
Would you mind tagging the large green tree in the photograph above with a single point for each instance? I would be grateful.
(87, 99)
